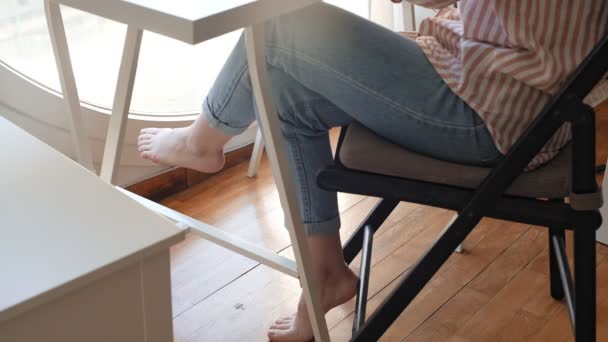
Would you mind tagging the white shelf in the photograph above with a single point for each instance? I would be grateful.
(62, 227)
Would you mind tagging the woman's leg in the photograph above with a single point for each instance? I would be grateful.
(380, 79)
(305, 120)
(228, 110)
(327, 68)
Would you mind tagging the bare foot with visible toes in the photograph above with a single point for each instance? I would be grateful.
(336, 290)
(173, 147)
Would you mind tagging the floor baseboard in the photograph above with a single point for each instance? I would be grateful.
(179, 179)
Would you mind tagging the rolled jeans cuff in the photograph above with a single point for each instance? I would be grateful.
(328, 227)
(216, 123)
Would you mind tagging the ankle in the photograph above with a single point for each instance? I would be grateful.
(197, 144)
(336, 279)
(336, 287)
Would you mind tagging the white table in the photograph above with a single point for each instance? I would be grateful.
(194, 21)
(79, 261)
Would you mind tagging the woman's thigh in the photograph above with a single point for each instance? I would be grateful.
(380, 79)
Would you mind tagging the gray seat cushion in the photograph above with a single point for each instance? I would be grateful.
(365, 151)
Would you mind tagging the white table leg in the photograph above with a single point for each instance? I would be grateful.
(122, 103)
(269, 123)
(256, 155)
(78, 130)
(459, 249)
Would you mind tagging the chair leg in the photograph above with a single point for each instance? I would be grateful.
(409, 287)
(557, 290)
(378, 215)
(585, 285)
(256, 155)
(366, 262)
(459, 249)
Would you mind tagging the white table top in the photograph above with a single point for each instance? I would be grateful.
(61, 226)
(191, 21)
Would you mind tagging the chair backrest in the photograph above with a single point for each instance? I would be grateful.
(566, 106)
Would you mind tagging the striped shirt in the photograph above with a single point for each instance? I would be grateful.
(506, 58)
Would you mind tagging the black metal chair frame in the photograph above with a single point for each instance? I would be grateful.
(488, 200)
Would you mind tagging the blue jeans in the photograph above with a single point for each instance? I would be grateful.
(329, 68)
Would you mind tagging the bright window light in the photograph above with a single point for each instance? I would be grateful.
(172, 77)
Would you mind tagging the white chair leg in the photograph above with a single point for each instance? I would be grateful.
(256, 155)
(78, 129)
(459, 249)
(122, 104)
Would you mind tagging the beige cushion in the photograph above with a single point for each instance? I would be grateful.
(365, 151)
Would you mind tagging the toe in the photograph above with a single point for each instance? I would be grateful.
(144, 142)
(144, 147)
(147, 155)
(144, 137)
(284, 320)
(280, 327)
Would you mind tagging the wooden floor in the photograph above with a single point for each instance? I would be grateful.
(497, 290)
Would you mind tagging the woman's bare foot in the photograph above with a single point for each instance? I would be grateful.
(175, 147)
(336, 289)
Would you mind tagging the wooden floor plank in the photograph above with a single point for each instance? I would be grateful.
(241, 311)
(188, 322)
(260, 290)
(558, 328)
(478, 292)
(449, 280)
(248, 208)
(493, 321)
(390, 238)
